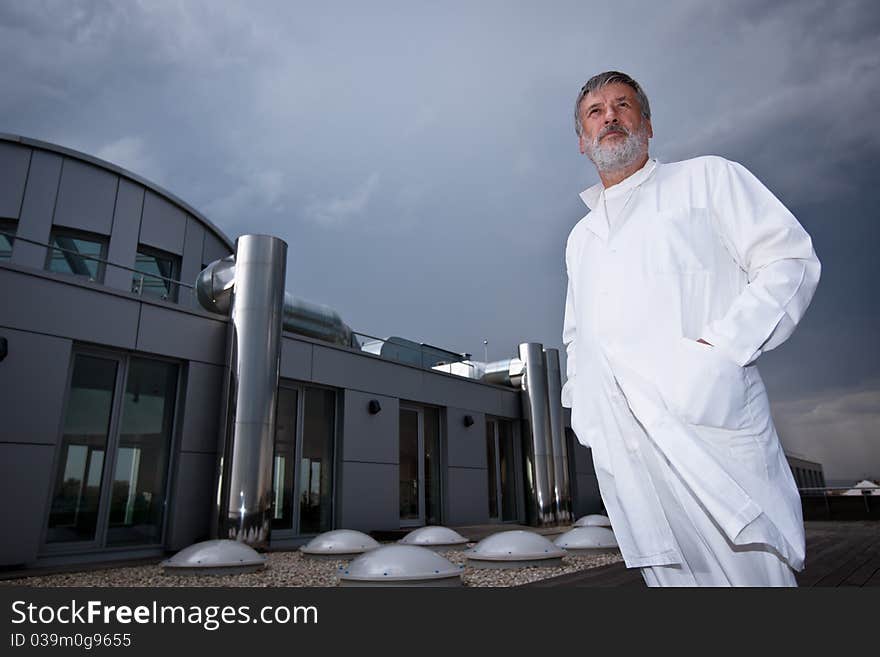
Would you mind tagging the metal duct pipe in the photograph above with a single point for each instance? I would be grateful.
(256, 304)
(538, 446)
(214, 291)
(562, 485)
(506, 372)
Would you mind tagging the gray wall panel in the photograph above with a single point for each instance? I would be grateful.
(201, 415)
(37, 208)
(191, 262)
(511, 403)
(214, 248)
(163, 225)
(14, 161)
(583, 457)
(86, 197)
(33, 378)
(465, 446)
(44, 305)
(296, 359)
(181, 335)
(369, 498)
(467, 498)
(191, 503)
(368, 437)
(344, 369)
(586, 498)
(25, 474)
(447, 390)
(124, 239)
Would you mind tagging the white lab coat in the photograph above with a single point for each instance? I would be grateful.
(701, 249)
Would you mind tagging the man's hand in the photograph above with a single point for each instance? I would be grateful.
(702, 341)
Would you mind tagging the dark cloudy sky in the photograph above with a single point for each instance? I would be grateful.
(420, 161)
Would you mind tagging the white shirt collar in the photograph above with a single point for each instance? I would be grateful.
(591, 195)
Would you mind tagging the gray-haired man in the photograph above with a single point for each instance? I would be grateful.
(680, 277)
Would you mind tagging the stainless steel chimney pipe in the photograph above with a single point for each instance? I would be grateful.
(538, 446)
(256, 303)
(562, 485)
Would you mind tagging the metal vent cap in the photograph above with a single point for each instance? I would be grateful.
(587, 538)
(338, 543)
(593, 520)
(434, 537)
(220, 556)
(401, 565)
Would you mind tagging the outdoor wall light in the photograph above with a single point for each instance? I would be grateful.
(468, 420)
(374, 407)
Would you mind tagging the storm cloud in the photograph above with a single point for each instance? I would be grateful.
(420, 158)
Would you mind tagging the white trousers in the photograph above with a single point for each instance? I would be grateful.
(709, 557)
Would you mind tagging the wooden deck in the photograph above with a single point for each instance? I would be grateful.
(838, 554)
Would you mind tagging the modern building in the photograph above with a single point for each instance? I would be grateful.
(114, 392)
(808, 474)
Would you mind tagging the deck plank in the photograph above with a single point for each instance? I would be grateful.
(838, 554)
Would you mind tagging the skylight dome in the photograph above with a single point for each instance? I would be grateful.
(593, 520)
(439, 539)
(400, 565)
(514, 549)
(217, 557)
(338, 544)
(587, 540)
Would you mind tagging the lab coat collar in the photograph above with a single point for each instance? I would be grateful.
(596, 220)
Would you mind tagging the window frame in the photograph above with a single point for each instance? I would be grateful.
(293, 532)
(9, 226)
(73, 233)
(99, 542)
(143, 249)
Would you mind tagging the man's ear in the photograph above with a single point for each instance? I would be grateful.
(650, 129)
(582, 145)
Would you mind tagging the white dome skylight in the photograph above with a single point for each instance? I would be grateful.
(217, 557)
(400, 565)
(436, 538)
(514, 549)
(593, 520)
(587, 539)
(339, 544)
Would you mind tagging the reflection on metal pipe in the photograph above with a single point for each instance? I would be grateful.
(538, 446)
(256, 303)
(562, 485)
(506, 372)
(214, 288)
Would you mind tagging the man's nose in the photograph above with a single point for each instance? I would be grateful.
(611, 115)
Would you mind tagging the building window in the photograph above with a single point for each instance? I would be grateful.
(502, 471)
(419, 465)
(7, 237)
(111, 478)
(78, 254)
(316, 462)
(303, 465)
(285, 458)
(157, 274)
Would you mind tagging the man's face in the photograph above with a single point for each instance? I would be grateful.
(614, 133)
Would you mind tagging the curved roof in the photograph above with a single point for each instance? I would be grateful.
(109, 166)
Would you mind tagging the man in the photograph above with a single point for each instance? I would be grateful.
(679, 278)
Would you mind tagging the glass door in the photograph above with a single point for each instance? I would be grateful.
(501, 470)
(412, 467)
(111, 476)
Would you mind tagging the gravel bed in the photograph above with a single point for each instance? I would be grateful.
(292, 569)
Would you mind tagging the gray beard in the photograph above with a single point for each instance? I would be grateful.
(618, 155)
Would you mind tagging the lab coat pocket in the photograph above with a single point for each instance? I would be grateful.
(683, 241)
(706, 388)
